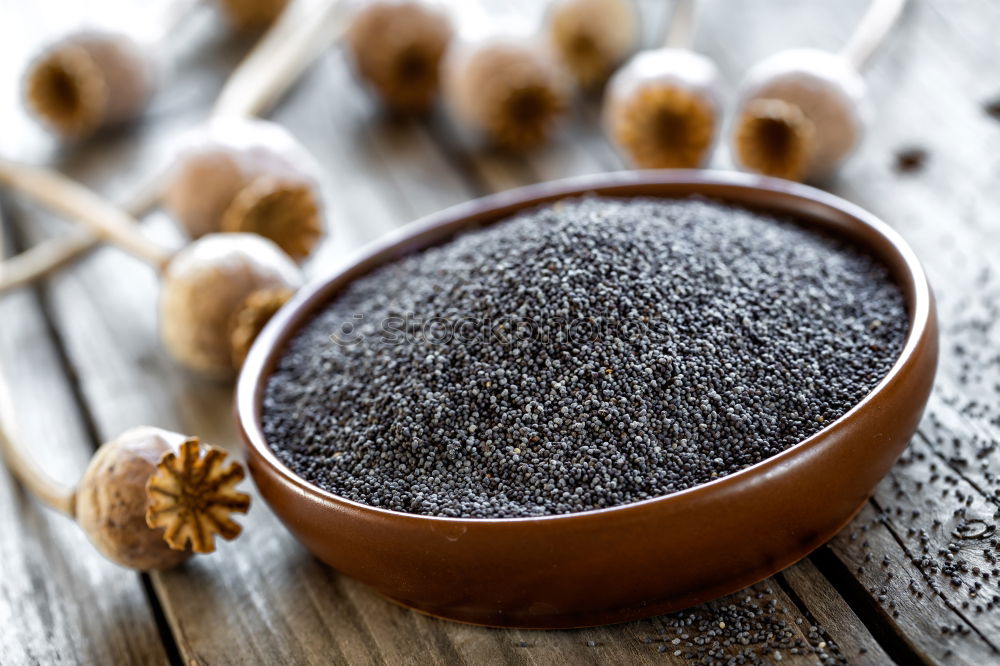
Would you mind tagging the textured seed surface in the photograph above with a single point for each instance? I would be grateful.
(582, 355)
(748, 627)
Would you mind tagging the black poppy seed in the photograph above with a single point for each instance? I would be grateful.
(636, 348)
(911, 159)
(992, 107)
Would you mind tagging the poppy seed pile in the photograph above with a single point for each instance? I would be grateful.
(582, 355)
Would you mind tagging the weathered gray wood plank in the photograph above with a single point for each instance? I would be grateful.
(824, 604)
(60, 601)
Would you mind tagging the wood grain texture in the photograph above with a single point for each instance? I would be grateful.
(60, 601)
(265, 600)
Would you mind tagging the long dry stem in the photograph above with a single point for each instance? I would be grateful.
(872, 30)
(51, 254)
(279, 59)
(680, 32)
(70, 199)
(53, 493)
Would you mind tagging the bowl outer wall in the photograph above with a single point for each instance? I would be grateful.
(640, 559)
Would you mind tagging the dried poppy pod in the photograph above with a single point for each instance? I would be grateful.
(148, 500)
(245, 175)
(397, 47)
(93, 79)
(510, 89)
(661, 109)
(250, 319)
(774, 137)
(592, 37)
(87, 81)
(802, 112)
(251, 15)
(216, 293)
(191, 497)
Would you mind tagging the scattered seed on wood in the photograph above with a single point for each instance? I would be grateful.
(992, 107)
(911, 160)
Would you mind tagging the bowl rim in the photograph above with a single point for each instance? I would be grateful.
(259, 365)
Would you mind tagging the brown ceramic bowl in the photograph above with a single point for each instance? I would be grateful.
(640, 559)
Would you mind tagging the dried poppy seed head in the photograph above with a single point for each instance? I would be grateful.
(774, 138)
(283, 211)
(204, 180)
(665, 126)
(87, 81)
(661, 109)
(249, 320)
(111, 500)
(191, 497)
(247, 175)
(206, 285)
(591, 37)
(252, 15)
(67, 91)
(825, 88)
(509, 89)
(397, 47)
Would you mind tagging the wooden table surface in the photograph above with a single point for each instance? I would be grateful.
(913, 578)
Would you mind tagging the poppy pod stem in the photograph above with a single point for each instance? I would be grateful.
(680, 32)
(881, 16)
(51, 255)
(67, 198)
(279, 58)
(51, 492)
